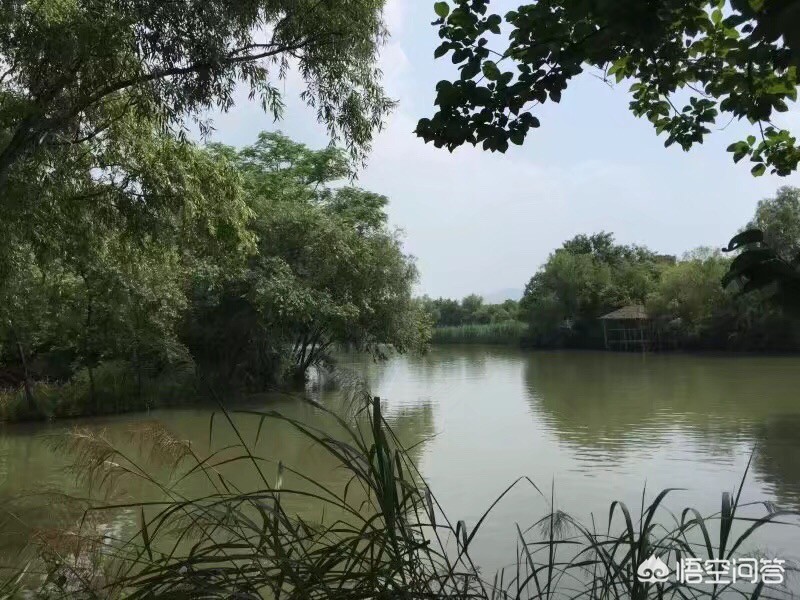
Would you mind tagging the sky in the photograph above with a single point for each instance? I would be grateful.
(483, 223)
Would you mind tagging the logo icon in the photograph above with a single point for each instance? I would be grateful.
(653, 570)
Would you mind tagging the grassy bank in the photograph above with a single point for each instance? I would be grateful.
(507, 333)
(387, 537)
(111, 388)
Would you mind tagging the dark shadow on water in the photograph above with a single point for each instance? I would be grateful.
(777, 457)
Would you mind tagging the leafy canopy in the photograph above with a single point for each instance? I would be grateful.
(326, 267)
(69, 69)
(695, 65)
(586, 277)
(768, 252)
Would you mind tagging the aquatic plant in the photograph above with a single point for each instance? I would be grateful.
(506, 333)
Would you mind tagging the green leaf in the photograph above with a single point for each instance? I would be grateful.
(517, 137)
(442, 9)
(469, 70)
(491, 71)
(758, 170)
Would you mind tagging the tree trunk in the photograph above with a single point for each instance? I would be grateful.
(92, 397)
(138, 366)
(26, 378)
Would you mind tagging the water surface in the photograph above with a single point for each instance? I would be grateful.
(586, 428)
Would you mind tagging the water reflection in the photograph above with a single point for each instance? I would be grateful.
(599, 426)
(777, 457)
(609, 406)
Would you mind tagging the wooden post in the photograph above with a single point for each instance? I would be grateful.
(605, 334)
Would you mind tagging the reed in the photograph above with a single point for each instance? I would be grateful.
(505, 333)
(386, 536)
(117, 388)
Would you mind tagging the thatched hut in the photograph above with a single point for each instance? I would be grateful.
(628, 328)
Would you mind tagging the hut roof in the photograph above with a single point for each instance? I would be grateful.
(628, 313)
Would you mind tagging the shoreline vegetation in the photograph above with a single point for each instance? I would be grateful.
(247, 287)
(506, 333)
(682, 298)
(69, 354)
(387, 537)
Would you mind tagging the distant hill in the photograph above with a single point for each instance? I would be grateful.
(500, 296)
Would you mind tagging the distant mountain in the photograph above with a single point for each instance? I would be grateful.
(500, 296)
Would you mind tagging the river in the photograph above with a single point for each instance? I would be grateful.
(590, 427)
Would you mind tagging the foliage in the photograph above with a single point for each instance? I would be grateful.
(585, 278)
(110, 216)
(694, 66)
(471, 310)
(768, 258)
(121, 386)
(70, 70)
(107, 256)
(779, 219)
(247, 264)
(690, 292)
(384, 535)
(691, 301)
(327, 270)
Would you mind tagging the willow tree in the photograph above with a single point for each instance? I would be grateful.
(693, 66)
(96, 96)
(71, 68)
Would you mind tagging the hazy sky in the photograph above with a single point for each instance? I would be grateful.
(481, 222)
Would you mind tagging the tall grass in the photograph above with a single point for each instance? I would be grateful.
(385, 535)
(118, 388)
(506, 333)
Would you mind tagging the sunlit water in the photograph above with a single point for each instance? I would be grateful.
(588, 428)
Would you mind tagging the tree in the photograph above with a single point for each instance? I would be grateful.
(759, 268)
(444, 312)
(779, 219)
(26, 315)
(326, 268)
(470, 306)
(690, 291)
(586, 277)
(96, 264)
(71, 69)
(768, 252)
(720, 61)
